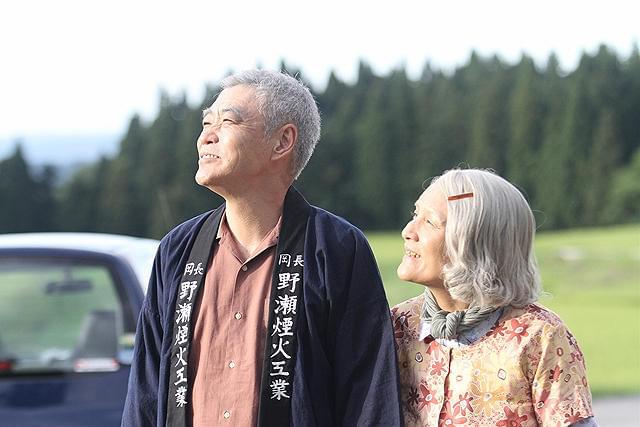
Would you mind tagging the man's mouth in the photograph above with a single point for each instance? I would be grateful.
(208, 156)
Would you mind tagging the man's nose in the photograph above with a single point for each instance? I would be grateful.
(208, 136)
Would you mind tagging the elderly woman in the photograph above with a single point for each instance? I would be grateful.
(475, 349)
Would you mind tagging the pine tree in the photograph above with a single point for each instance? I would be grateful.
(526, 118)
(374, 171)
(80, 198)
(564, 159)
(18, 195)
(629, 112)
(488, 133)
(159, 166)
(442, 132)
(44, 199)
(123, 208)
(602, 162)
(562, 137)
(401, 133)
(624, 193)
(330, 178)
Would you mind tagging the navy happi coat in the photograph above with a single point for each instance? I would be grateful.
(345, 372)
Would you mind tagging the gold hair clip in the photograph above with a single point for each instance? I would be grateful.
(460, 196)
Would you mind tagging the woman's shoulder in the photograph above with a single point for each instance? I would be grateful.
(406, 315)
(534, 320)
(532, 312)
(411, 305)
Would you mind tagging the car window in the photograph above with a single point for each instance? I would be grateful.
(58, 315)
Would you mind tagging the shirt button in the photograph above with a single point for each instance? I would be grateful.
(232, 364)
(226, 414)
(238, 315)
(244, 268)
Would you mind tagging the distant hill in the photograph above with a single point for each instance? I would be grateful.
(61, 151)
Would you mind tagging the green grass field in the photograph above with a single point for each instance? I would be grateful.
(592, 278)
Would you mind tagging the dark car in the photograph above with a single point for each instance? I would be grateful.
(68, 309)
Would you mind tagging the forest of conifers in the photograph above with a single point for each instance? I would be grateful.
(569, 140)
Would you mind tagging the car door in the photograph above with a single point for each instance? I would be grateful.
(67, 324)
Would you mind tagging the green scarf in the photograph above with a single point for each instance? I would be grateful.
(449, 325)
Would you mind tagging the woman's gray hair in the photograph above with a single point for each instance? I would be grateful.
(282, 99)
(490, 259)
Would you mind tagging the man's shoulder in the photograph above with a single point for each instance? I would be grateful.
(185, 231)
(332, 231)
(328, 222)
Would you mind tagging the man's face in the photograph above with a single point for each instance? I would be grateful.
(424, 238)
(232, 148)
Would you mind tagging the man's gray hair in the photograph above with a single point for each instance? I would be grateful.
(282, 99)
(488, 240)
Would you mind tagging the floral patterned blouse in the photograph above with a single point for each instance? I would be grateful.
(526, 370)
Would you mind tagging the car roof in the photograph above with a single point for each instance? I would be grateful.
(138, 251)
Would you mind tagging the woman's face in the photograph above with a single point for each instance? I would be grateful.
(424, 240)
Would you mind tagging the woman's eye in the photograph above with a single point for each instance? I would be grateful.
(433, 224)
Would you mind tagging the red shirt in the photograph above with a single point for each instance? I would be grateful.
(229, 333)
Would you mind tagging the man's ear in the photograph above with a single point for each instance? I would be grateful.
(287, 137)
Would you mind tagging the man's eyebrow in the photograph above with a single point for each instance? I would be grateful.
(234, 110)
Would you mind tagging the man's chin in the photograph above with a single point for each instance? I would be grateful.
(204, 180)
(211, 183)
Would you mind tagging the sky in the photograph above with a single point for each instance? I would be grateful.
(85, 67)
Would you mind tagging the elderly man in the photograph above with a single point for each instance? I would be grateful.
(266, 311)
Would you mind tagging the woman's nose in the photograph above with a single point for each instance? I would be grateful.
(408, 233)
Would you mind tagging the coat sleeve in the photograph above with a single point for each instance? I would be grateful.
(141, 404)
(365, 367)
(559, 387)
